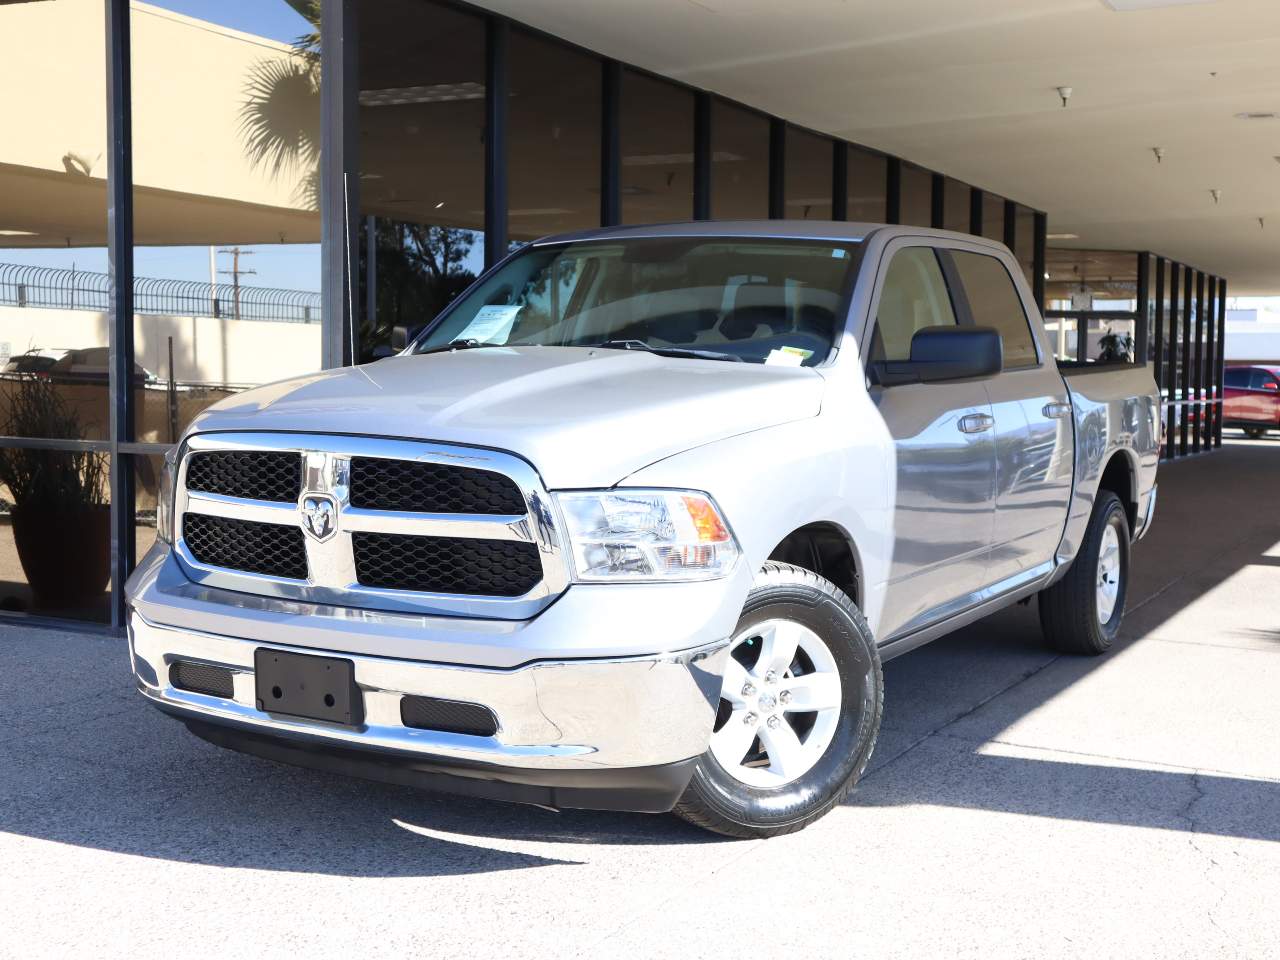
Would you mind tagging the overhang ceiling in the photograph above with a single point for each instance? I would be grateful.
(969, 89)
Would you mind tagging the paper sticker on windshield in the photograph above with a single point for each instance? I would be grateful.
(788, 356)
(491, 324)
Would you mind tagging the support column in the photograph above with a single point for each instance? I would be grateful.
(702, 155)
(120, 306)
(777, 169)
(893, 190)
(1039, 256)
(975, 211)
(339, 180)
(839, 180)
(938, 202)
(610, 144)
(497, 38)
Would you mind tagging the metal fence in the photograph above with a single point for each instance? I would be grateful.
(28, 286)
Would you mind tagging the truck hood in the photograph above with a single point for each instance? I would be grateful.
(583, 417)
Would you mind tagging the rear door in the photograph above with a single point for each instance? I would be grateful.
(1235, 394)
(1033, 423)
(944, 453)
(1263, 394)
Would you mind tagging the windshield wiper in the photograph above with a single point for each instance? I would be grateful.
(665, 351)
(465, 344)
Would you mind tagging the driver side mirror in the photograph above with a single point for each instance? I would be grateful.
(399, 340)
(939, 354)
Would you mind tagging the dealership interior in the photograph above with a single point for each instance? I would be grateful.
(196, 204)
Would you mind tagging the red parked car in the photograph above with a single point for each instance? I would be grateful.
(1251, 399)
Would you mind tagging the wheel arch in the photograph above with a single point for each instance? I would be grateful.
(827, 549)
(1120, 476)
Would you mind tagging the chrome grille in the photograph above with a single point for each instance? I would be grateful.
(384, 524)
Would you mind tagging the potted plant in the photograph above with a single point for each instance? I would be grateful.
(60, 515)
(1115, 347)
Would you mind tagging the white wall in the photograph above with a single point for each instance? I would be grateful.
(207, 350)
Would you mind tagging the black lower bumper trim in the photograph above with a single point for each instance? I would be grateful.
(652, 789)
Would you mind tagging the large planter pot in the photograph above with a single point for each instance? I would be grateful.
(65, 553)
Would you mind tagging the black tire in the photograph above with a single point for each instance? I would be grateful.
(717, 801)
(1069, 608)
(1255, 433)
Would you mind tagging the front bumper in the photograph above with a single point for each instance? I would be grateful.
(616, 733)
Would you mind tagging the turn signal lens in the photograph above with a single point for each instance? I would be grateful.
(164, 499)
(646, 535)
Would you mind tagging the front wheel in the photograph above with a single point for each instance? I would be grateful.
(1081, 612)
(799, 710)
(1255, 433)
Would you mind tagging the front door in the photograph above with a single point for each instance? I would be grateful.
(944, 450)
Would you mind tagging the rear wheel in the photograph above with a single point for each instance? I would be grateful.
(1081, 613)
(799, 710)
(1255, 433)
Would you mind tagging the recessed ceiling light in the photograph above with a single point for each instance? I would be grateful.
(1124, 6)
(1256, 115)
(17, 233)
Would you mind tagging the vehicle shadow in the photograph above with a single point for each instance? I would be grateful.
(102, 770)
(198, 804)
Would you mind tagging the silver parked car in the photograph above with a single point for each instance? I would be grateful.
(634, 523)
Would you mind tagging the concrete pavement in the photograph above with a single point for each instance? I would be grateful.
(1020, 804)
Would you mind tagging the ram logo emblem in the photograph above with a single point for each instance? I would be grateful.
(319, 516)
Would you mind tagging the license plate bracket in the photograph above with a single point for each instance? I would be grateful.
(311, 687)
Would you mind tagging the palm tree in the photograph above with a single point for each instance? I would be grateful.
(280, 113)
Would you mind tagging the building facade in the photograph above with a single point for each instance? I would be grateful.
(193, 207)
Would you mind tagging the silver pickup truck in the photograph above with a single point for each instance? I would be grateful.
(634, 523)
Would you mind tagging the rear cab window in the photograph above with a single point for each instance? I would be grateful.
(994, 302)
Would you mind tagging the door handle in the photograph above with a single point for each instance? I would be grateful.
(1056, 410)
(976, 422)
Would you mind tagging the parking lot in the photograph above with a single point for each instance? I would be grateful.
(1020, 804)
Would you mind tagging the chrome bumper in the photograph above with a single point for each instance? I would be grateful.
(588, 714)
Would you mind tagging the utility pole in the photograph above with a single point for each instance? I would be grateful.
(236, 273)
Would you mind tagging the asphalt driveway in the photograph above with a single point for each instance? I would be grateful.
(1020, 804)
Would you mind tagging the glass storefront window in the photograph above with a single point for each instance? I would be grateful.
(55, 525)
(1091, 279)
(739, 163)
(53, 218)
(867, 178)
(55, 534)
(226, 159)
(917, 196)
(422, 149)
(657, 150)
(553, 138)
(808, 176)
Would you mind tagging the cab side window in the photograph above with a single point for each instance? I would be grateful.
(994, 302)
(1261, 380)
(1238, 378)
(914, 296)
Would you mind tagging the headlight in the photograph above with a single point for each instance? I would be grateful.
(164, 499)
(647, 535)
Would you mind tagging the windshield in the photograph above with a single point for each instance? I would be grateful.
(757, 300)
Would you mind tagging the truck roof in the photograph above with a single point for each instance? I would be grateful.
(839, 230)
